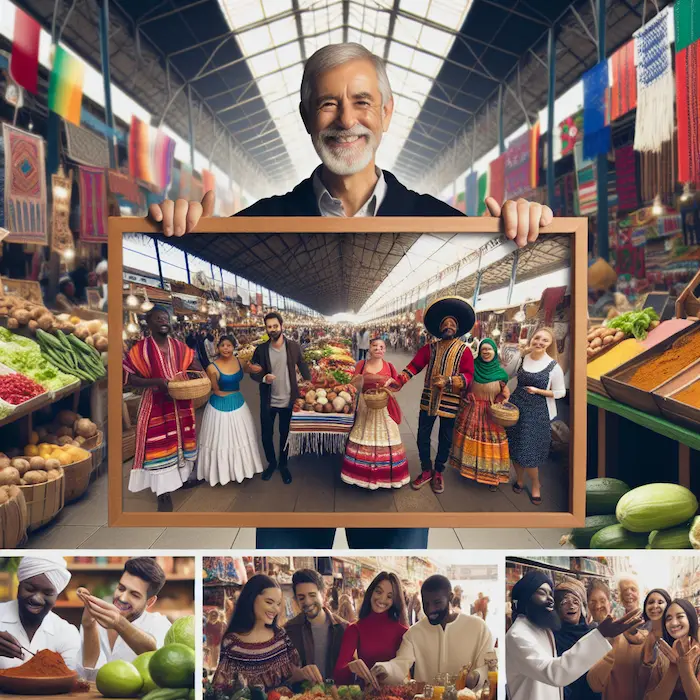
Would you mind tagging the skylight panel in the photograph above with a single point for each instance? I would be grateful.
(263, 64)
(255, 40)
(435, 40)
(275, 7)
(240, 13)
(283, 30)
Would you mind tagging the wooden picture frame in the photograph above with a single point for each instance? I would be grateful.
(573, 517)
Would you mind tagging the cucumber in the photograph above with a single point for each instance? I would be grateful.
(580, 537)
(616, 537)
(656, 507)
(602, 495)
(674, 538)
(167, 694)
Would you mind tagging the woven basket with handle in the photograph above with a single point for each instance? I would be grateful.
(504, 414)
(376, 398)
(183, 389)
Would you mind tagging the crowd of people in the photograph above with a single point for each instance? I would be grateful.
(564, 637)
(378, 648)
(120, 630)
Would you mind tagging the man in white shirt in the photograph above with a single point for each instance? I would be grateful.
(125, 628)
(30, 622)
(444, 641)
(533, 669)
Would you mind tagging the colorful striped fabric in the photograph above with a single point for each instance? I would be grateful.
(586, 182)
(518, 169)
(162, 160)
(124, 187)
(623, 92)
(686, 14)
(24, 61)
(93, 204)
(688, 110)
(140, 151)
(66, 86)
(308, 422)
(497, 178)
(626, 172)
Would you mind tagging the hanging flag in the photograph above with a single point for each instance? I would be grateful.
(140, 151)
(162, 160)
(596, 127)
(497, 178)
(483, 190)
(24, 61)
(686, 15)
(534, 154)
(623, 91)
(66, 86)
(208, 181)
(570, 131)
(472, 193)
(518, 170)
(587, 180)
(461, 203)
(626, 175)
(688, 110)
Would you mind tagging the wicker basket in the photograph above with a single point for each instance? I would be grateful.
(504, 414)
(128, 444)
(77, 478)
(181, 390)
(376, 399)
(201, 401)
(96, 447)
(44, 501)
(13, 522)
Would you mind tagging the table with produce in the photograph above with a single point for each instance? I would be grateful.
(324, 415)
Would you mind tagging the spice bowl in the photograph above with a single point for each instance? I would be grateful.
(38, 686)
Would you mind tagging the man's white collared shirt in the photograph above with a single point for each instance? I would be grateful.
(328, 205)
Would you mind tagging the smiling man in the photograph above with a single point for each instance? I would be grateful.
(534, 670)
(444, 641)
(29, 622)
(126, 627)
(315, 632)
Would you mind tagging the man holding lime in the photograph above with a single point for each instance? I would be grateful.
(126, 627)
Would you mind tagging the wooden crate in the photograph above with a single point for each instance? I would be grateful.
(13, 522)
(44, 501)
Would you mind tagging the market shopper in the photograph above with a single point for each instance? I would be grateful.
(374, 453)
(362, 344)
(540, 382)
(629, 592)
(599, 603)
(166, 440)
(675, 674)
(449, 369)
(228, 444)
(274, 365)
(444, 641)
(67, 298)
(316, 632)
(479, 445)
(29, 621)
(346, 128)
(126, 627)
(377, 634)
(534, 670)
(255, 650)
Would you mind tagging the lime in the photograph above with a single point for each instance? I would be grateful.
(173, 666)
(119, 679)
(182, 632)
(141, 662)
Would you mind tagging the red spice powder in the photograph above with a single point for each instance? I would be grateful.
(44, 664)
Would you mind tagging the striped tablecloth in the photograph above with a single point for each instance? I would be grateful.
(319, 433)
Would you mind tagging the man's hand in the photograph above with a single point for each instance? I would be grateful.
(610, 628)
(269, 378)
(360, 669)
(9, 646)
(311, 673)
(254, 369)
(106, 615)
(181, 216)
(440, 382)
(522, 219)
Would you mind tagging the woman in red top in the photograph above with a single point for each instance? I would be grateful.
(376, 635)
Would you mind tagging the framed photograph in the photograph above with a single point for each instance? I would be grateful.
(298, 380)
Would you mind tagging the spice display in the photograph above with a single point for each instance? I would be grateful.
(16, 389)
(663, 367)
(614, 358)
(44, 664)
(636, 323)
(690, 395)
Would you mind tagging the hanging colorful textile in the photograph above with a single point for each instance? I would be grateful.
(626, 173)
(686, 14)
(208, 181)
(174, 191)
(659, 172)
(163, 155)
(688, 110)
(570, 131)
(66, 85)
(483, 185)
(25, 187)
(93, 205)
(534, 154)
(623, 91)
(24, 61)
(472, 193)
(85, 147)
(596, 128)
(124, 188)
(61, 235)
(517, 166)
(460, 205)
(140, 150)
(612, 187)
(497, 178)
(652, 50)
(586, 182)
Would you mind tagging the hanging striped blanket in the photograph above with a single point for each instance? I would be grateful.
(688, 108)
(623, 92)
(587, 183)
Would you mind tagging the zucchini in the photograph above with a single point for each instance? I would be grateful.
(580, 537)
(616, 537)
(602, 495)
(674, 538)
(656, 507)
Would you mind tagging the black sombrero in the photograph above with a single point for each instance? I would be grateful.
(456, 307)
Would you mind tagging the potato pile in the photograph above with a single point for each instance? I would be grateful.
(28, 471)
(600, 337)
(21, 312)
(7, 493)
(339, 400)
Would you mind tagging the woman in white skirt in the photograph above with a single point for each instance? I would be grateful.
(228, 442)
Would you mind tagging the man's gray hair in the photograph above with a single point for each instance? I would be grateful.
(335, 55)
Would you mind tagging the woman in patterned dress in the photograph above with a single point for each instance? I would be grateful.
(480, 446)
(540, 382)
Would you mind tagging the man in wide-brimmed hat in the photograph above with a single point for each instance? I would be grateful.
(450, 368)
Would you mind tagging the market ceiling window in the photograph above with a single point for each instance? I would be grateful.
(266, 31)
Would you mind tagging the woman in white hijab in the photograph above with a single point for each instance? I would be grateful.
(29, 621)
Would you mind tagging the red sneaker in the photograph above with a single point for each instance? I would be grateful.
(422, 479)
(437, 483)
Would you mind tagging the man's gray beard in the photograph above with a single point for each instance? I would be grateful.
(541, 617)
(341, 166)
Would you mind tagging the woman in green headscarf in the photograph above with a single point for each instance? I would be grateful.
(479, 446)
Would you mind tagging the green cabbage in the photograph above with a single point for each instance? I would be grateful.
(635, 323)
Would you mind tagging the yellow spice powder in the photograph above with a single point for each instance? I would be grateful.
(613, 358)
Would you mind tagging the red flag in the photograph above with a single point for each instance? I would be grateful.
(24, 62)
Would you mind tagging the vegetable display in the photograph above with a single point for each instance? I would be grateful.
(71, 355)
(600, 337)
(635, 323)
(29, 471)
(603, 494)
(656, 507)
(16, 389)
